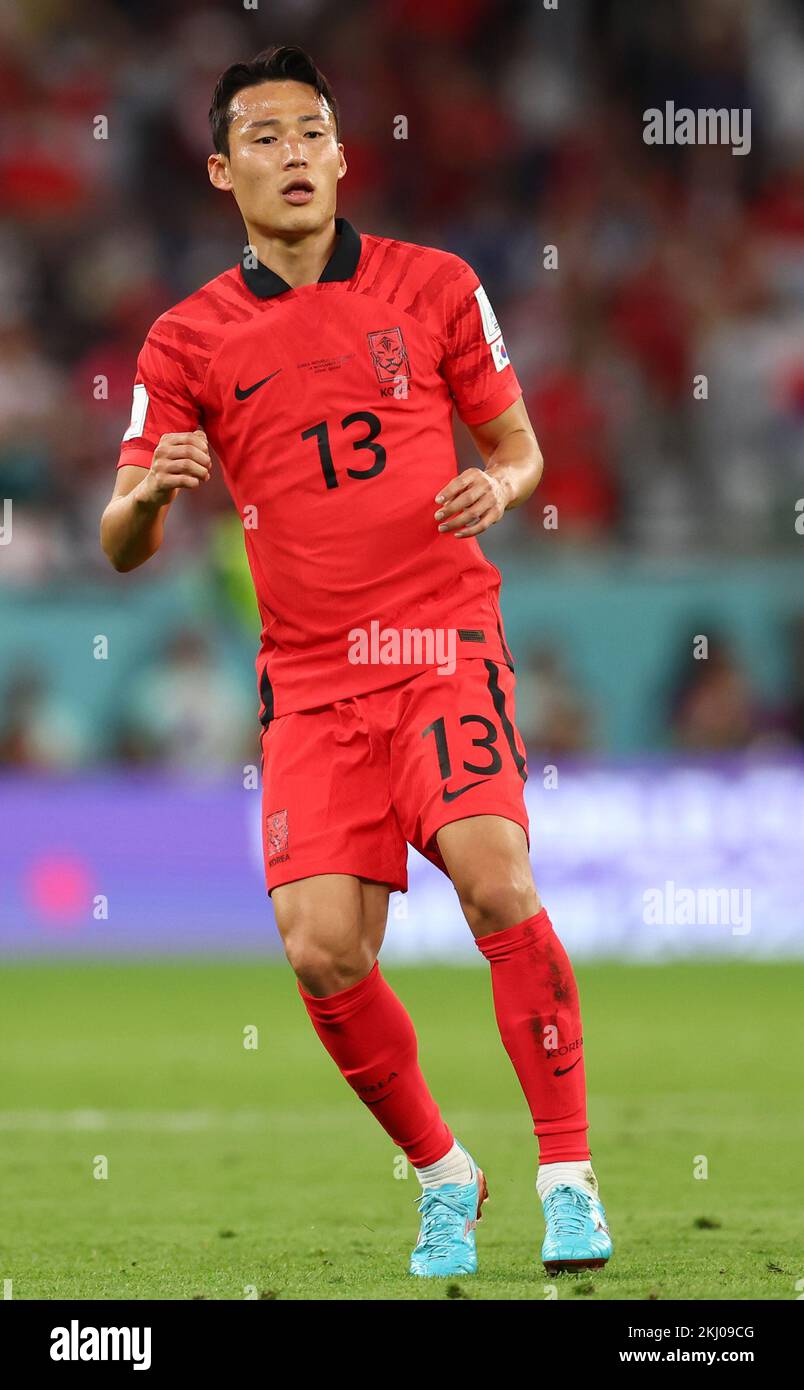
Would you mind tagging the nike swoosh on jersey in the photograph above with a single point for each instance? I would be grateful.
(562, 1071)
(452, 796)
(242, 393)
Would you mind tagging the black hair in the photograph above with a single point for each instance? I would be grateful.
(281, 62)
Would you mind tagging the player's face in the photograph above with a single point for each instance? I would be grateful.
(284, 158)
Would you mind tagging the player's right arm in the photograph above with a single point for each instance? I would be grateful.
(133, 523)
(163, 451)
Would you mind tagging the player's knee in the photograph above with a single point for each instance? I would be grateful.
(492, 901)
(327, 967)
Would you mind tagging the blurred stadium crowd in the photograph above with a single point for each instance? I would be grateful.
(524, 131)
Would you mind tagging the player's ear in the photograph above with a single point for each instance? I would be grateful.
(342, 165)
(218, 170)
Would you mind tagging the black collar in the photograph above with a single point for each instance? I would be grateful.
(341, 265)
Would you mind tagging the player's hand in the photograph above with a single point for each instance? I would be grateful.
(471, 503)
(180, 460)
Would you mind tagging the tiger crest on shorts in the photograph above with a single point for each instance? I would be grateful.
(276, 830)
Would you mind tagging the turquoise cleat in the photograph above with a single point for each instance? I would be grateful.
(449, 1213)
(577, 1235)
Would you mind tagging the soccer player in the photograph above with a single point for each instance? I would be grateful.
(322, 371)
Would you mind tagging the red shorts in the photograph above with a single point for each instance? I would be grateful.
(347, 786)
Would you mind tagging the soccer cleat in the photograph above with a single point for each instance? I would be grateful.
(450, 1213)
(577, 1235)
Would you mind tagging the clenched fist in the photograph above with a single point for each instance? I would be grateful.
(180, 460)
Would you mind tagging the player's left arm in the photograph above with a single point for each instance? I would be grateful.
(478, 497)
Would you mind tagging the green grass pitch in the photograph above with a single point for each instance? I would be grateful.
(237, 1172)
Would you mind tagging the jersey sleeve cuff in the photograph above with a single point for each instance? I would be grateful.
(140, 458)
(492, 406)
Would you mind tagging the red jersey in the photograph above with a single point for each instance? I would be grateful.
(330, 410)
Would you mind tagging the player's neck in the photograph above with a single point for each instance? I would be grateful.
(300, 260)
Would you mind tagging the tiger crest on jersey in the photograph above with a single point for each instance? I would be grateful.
(389, 354)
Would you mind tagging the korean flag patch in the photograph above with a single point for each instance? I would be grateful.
(499, 353)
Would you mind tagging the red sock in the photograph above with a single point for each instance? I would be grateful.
(368, 1033)
(539, 1017)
